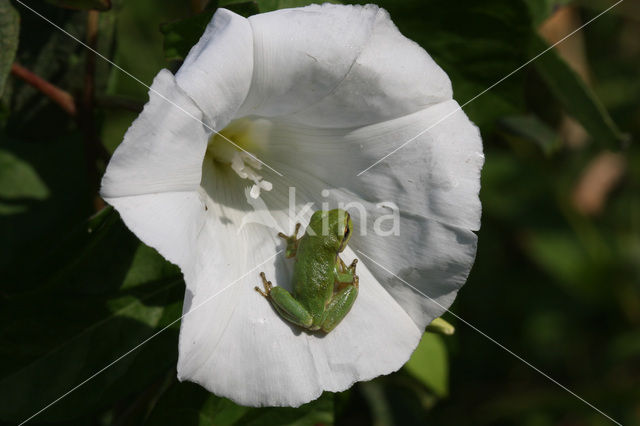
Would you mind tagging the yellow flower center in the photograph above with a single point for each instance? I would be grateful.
(234, 145)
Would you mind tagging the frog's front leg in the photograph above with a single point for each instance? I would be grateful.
(284, 303)
(292, 242)
(344, 274)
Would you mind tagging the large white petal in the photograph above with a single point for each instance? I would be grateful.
(436, 176)
(163, 149)
(235, 344)
(217, 72)
(301, 55)
(339, 66)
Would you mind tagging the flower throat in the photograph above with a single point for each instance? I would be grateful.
(248, 136)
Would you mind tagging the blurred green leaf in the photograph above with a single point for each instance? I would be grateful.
(531, 129)
(42, 203)
(9, 32)
(139, 48)
(374, 393)
(625, 346)
(578, 99)
(180, 36)
(477, 44)
(19, 184)
(98, 295)
(101, 5)
(542, 9)
(244, 8)
(315, 412)
(429, 364)
(559, 254)
(189, 404)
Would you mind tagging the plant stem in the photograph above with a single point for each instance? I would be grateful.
(57, 95)
(119, 102)
(86, 117)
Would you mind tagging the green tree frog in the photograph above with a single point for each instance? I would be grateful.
(324, 288)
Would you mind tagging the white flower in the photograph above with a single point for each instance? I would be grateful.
(319, 94)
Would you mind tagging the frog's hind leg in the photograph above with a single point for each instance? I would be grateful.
(292, 242)
(339, 306)
(284, 303)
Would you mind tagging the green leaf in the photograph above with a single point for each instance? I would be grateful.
(559, 253)
(315, 412)
(374, 392)
(191, 405)
(477, 44)
(188, 404)
(39, 182)
(542, 9)
(531, 129)
(429, 364)
(20, 184)
(244, 8)
(94, 297)
(101, 5)
(9, 32)
(578, 99)
(180, 36)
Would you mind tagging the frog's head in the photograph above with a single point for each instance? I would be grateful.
(334, 225)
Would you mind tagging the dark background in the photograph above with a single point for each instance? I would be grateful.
(557, 275)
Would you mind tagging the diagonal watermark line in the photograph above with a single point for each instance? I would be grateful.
(207, 300)
(489, 88)
(500, 345)
(149, 87)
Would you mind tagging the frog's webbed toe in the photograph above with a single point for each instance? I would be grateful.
(266, 284)
(292, 242)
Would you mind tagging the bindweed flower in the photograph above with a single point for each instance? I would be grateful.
(310, 97)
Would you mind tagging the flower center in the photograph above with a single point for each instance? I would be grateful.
(248, 135)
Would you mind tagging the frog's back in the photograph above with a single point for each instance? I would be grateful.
(313, 276)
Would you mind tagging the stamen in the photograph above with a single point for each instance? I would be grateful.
(244, 132)
(244, 164)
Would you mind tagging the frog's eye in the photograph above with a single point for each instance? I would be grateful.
(345, 238)
(347, 231)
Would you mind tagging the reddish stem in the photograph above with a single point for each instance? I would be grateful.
(59, 96)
